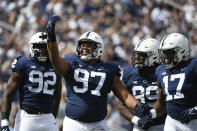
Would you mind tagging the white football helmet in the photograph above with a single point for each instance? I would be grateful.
(173, 49)
(38, 46)
(97, 46)
(148, 48)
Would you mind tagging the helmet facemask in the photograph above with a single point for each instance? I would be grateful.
(139, 59)
(174, 48)
(89, 51)
(146, 54)
(96, 46)
(170, 57)
(38, 46)
(40, 52)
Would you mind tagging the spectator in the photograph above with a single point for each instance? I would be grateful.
(120, 25)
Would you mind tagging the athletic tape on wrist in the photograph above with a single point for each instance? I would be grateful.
(153, 113)
(135, 120)
(4, 122)
(195, 108)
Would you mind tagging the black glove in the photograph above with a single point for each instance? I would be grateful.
(50, 29)
(142, 108)
(145, 122)
(5, 128)
(188, 115)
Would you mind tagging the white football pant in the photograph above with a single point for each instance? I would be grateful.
(174, 125)
(34, 122)
(73, 125)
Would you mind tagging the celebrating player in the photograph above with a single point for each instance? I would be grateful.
(177, 80)
(141, 82)
(39, 87)
(88, 81)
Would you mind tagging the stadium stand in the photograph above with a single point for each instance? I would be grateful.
(122, 23)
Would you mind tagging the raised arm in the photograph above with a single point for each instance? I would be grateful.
(58, 62)
(57, 97)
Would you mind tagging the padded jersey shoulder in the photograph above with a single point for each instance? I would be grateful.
(19, 63)
(127, 72)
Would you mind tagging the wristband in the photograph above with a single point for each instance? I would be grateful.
(135, 120)
(153, 113)
(195, 108)
(4, 122)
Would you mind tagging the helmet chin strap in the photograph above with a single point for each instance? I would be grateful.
(85, 58)
(42, 59)
(169, 66)
(173, 63)
(88, 57)
(139, 66)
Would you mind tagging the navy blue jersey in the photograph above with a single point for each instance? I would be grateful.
(39, 83)
(87, 88)
(179, 87)
(143, 88)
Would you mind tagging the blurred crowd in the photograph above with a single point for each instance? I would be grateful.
(121, 23)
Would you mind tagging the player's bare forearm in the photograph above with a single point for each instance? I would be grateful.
(13, 84)
(124, 112)
(160, 104)
(53, 51)
(54, 54)
(58, 62)
(57, 98)
(6, 104)
(123, 95)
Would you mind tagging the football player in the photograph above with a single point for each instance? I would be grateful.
(177, 84)
(141, 82)
(88, 82)
(39, 87)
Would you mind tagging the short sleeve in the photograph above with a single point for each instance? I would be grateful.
(18, 65)
(125, 75)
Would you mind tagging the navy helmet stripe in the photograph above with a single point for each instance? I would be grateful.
(141, 42)
(88, 34)
(164, 40)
